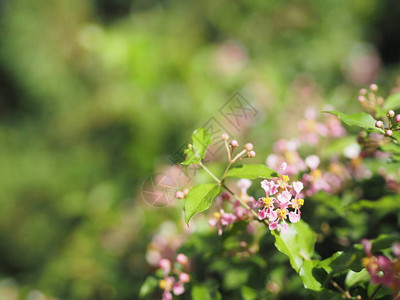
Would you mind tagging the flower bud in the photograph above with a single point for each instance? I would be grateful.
(389, 132)
(165, 264)
(397, 119)
(390, 113)
(179, 195)
(185, 191)
(184, 277)
(361, 99)
(234, 144)
(379, 124)
(252, 154)
(224, 137)
(248, 146)
(373, 87)
(182, 259)
(363, 92)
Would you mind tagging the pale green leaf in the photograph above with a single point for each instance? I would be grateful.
(252, 172)
(200, 199)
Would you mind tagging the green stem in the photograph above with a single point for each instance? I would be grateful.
(375, 292)
(210, 173)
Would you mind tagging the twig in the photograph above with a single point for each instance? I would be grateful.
(375, 292)
(340, 289)
(209, 172)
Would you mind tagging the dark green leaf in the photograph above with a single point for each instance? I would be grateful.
(200, 199)
(201, 139)
(360, 119)
(252, 172)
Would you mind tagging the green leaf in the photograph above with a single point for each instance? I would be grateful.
(360, 119)
(252, 172)
(205, 292)
(248, 293)
(355, 278)
(392, 102)
(201, 139)
(199, 199)
(148, 286)
(298, 243)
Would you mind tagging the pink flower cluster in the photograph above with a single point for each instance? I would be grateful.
(174, 283)
(221, 218)
(382, 269)
(282, 200)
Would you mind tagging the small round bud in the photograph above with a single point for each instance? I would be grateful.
(248, 146)
(361, 99)
(179, 195)
(390, 113)
(165, 264)
(224, 137)
(234, 144)
(379, 124)
(190, 146)
(397, 119)
(373, 87)
(185, 191)
(184, 277)
(182, 259)
(252, 154)
(389, 132)
(363, 92)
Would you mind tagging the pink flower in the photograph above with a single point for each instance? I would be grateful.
(312, 162)
(182, 259)
(167, 296)
(184, 277)
(294, 217)
(178, 288)
(165, 265)
(298, 186)
(269, 187)
(284, 197)
(221, 218)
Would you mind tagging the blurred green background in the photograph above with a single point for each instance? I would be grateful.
(96, 95)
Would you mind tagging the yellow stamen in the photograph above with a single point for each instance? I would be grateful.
(281, 214)
(217, 215)
(267, 201)
(285, 178)
(300, 201)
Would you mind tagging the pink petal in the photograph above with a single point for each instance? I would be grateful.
(273, 225)
(298, 186)
(178, 289)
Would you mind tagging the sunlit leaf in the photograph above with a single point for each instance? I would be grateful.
(361, 119)
(201, 139)
(200, 199)
(252, 172)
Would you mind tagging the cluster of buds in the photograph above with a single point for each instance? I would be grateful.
(182, 194)
(392, 123)
(175, 276)
(233, 144)
(369, 99)
(282, 200)
(382, 269)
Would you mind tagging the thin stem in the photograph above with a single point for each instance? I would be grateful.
(239, 155)
(375, 292)
(228, 150)
(340, 289)
(240, 200)
(227, 169)
(209, 172)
